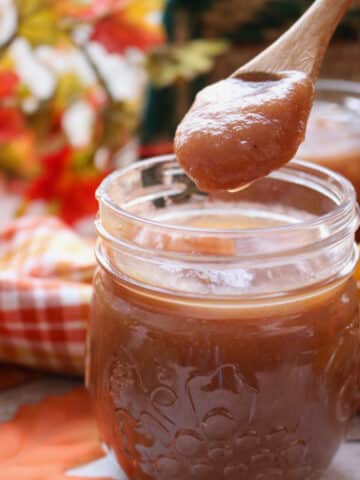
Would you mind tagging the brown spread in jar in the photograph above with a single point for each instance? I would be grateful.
(240, 129)
(205, 389)
(224, 334)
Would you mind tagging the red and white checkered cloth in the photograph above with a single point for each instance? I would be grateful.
(45, 290)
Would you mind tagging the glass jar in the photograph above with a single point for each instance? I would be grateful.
(333, 132)
(224, 339)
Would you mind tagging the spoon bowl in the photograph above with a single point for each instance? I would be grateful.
(243, 127)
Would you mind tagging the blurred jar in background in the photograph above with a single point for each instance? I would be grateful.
(333, 133)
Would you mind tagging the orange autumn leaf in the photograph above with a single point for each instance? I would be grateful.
(45, 440)
(118, 32)
(72, 194)
(9, 81)
(11, 124)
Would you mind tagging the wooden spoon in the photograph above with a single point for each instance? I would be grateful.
(240, 130)
(304, 45)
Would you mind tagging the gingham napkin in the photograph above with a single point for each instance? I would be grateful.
(45, 290)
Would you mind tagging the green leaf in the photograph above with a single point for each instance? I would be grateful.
(168, 64)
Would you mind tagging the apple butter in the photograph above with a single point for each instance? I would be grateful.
(224, 337)
(240, 129)
(333, 131)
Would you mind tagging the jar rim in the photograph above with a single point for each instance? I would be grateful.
(345, 203)
(189, 260)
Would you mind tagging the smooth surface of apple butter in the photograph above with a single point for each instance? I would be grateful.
(239, 130)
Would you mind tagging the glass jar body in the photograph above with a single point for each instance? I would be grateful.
(224, 338)
(199, 390)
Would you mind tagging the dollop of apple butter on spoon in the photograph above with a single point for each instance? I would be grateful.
(243, 127)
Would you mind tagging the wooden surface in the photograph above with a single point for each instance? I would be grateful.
(346, 465)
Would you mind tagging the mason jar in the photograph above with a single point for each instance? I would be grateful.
(333, 131)
(224, 338)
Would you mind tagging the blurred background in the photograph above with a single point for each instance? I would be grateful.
(87, 86)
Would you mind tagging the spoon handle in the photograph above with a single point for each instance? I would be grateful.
(304, 45)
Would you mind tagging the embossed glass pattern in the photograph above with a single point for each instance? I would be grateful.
(224, 339)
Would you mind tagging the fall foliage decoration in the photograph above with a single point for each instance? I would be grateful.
(64, 120)
(72, 84)
(46, 439)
